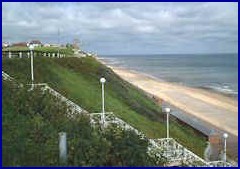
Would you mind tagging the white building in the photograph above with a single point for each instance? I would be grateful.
(5, 44)
(36, 43)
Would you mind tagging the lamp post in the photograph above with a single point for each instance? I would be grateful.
(102, 81)
(167, 111)
(31, 47)
(225, 136)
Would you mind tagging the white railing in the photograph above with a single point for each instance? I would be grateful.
(163, 148)
(110, 118)
(219, 164)
(6, 76)
(73, 108)
(173, 151)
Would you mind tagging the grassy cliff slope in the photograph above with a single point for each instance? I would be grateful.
(78, 79)
(31, 123)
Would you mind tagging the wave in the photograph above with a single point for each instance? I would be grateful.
(224, 89)
(191, 72)
(112, 61)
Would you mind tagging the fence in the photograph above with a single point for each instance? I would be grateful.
(26, 54)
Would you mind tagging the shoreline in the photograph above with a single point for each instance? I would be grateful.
(204, 110)
(212, 107)
(210, 89)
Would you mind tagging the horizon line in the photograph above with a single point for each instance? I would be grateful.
(170, 54)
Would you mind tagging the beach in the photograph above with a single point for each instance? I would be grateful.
(216, 109)
(213, 110)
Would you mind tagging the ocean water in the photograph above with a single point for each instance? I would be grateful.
(216, 72)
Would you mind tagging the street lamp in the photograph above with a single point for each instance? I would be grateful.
(167, 111)
(31, 48)
(102, 81)
(225, 136)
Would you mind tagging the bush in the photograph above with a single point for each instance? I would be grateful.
(32, 121)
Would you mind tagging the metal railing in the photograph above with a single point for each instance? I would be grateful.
(73, 108)
(174, 151)
(6, 76)
(219, 164)
(166, 148)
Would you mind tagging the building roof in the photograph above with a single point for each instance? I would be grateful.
(36, 42)
(20, 44)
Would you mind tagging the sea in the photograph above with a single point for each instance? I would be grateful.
(215, 72)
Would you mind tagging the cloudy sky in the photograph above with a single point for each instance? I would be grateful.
(127, 28)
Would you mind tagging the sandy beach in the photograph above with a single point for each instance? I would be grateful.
(216, 109)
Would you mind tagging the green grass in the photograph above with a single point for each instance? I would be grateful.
(31, 123)
(78, 79)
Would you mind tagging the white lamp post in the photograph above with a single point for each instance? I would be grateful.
(225, 136)
(102, 81)
(31, 47)
(167, 110)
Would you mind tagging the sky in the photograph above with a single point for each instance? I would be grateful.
(126, 28)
